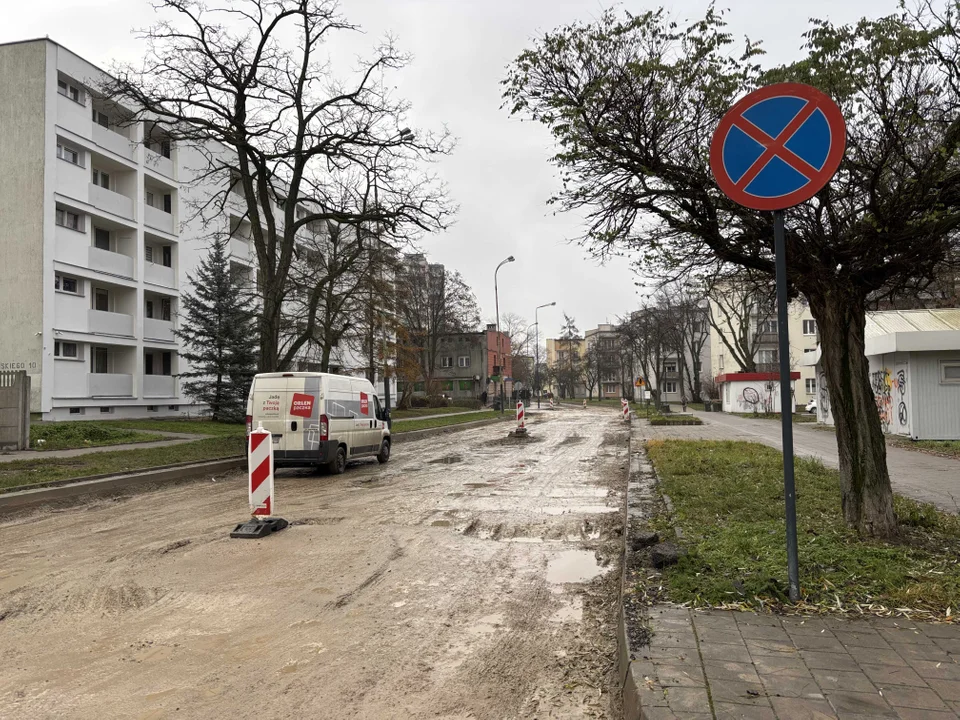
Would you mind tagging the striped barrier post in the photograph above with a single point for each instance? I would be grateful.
(521, 427)
(625, 407)
(551, 403)
(260, 474)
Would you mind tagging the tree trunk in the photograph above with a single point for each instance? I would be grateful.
(269, 335)
(866, 495)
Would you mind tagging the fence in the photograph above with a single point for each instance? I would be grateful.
(14, 410)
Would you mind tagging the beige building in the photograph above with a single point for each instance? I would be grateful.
(559, 353)
(762, 338)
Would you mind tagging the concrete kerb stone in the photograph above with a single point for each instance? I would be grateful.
(103, 484)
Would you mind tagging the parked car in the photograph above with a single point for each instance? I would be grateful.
(319, 419)
(812, 406)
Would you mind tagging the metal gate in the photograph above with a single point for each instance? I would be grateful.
(14, 410)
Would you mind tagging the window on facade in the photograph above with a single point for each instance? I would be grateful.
(670, 367)
(447, 386)
(811, 385)
(101, 238)
(101, 178)
(65, 152)
(148, 253)
(720, 362)
(670, 387)
(809, 327)
(165, 309)
(100, 118)
(767, 357)
(463, 361)
(168, 203)
(106, 409)
(768, 326)
(950, 371)
(65, 284)
(68, 219)
(65, 349)
(148, 198)
(165, 148)
(99, 360)
(466, 385)
(153, 408)
(76, 411)
(446, 362)
(149, 308)
(167, 256)
(166, 363)
(148, 364)
(70, 90)
(101, 300)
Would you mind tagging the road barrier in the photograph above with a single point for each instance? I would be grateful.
(521, 427)
(625, 407)
(260, 472)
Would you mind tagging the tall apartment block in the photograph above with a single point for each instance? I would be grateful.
(94, 247)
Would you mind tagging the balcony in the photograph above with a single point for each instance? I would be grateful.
(157, 274)
(114, 142)
(158, 219)
(163, 386)
(240, 249)
(111, 202)
(159, 164)
(71, 246)
(154, 329)
(109, 323)
(768, 338)
(109, 385)
(109, 262)
(73, 116)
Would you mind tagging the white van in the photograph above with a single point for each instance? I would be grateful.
(319, 418)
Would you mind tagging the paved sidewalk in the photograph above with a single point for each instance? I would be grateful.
(918, 475)
(721, 665)
(174, 439)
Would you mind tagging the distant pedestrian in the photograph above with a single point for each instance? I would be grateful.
(483, 397)
(683, 403)
(584, 403)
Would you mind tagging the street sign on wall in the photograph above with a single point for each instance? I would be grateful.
(778, 146)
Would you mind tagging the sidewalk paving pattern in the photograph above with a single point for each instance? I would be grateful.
(173, 439)
(721, 664)
(921, 476)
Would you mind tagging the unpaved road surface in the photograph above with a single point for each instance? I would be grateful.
(467, 578)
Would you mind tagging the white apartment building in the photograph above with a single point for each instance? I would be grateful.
(95, 246)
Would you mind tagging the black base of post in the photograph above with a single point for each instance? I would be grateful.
(255, 528)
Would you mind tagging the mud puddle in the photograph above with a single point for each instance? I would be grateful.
(448, 460)
(573, 566)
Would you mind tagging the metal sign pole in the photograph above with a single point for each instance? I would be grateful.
(786, 406)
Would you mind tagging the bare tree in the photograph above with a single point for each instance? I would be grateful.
(739, 305)
(245, 84)
(590, 369)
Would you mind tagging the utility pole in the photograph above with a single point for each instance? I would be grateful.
(536, 366)
(499, 353)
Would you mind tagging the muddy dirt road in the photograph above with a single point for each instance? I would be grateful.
(461, 580)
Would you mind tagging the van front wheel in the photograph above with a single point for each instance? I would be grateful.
(384, 452)
(339, 463)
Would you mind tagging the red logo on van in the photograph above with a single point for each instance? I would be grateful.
(302, 405)
(364, 404)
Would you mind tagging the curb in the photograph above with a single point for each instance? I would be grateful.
(65, 489)
(38, 496)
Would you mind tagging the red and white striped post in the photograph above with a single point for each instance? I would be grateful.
(551, 403)
(260, 474)
(625, 407)
(520, 423)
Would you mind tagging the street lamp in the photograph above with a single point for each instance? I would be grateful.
(536, 350)
(496, 297)
(408, 135)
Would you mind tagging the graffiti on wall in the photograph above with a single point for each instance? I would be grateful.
(750, 399)
(759, 401)
(824, 401)
(882, 384)
(901, 383)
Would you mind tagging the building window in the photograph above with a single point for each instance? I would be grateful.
(65, 349)
(66, 284)
(76, 411)
(65, 152)
(68, 219)
(165, 309)
(148, 198)
(463, 361)
(101, 300)
(447, 386)
(165, 148)
(670, 387)
(101, 238)
(171, 407)
(99, 360)
(101, 178)
(811, 384)
(167, 253)
(446, 362)
(149, 309)
(950, 372)
(69, 90)
(105, 409)
(670, 367)
(148, 253)
(152, 408)
(767, 357)
(100, 118)
(466, 385)
(809, 327)
(768, 326)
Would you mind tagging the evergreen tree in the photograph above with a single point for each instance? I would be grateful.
(219, 332)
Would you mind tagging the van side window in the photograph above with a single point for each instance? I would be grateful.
(376, 408)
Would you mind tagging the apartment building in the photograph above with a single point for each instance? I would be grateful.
(761, 335)
(95, 247)
(611, 375)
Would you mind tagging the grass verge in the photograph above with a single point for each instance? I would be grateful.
(728, 501)
(70, 435)
(29, 472)
(674, 420)
(944, 448)
(420, 412)
(403, 426)
(797, 417)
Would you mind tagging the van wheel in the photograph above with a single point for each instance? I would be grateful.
(384, 452)
(339, 463)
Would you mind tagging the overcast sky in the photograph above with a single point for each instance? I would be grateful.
(499, 174)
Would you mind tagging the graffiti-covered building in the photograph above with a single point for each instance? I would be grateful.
(914, 358)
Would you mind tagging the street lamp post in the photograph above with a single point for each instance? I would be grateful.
(496, 297)
(536, 352)
(405, 134)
